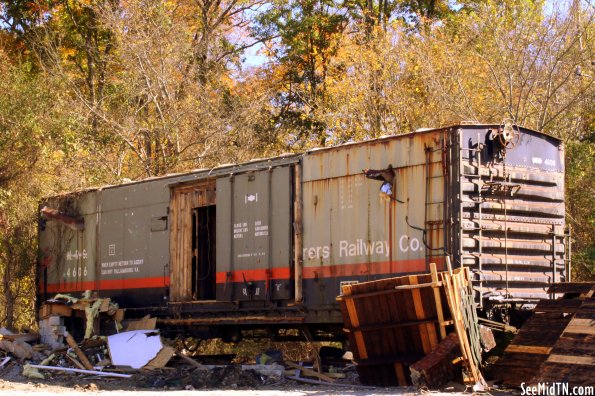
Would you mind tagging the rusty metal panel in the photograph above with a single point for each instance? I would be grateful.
(354, 232)
(398, 151)
(254, 234)
(67, 256)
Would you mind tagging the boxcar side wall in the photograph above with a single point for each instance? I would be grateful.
(133, 243)
(353, 232)
(254, 236)
(67, 254)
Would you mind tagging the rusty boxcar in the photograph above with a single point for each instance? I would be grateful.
(268, 243)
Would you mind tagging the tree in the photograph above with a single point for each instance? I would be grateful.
(308, 35)
(23, 108)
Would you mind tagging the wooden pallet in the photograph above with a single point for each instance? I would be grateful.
(392, 323)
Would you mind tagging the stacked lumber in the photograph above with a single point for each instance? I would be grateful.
(556, 343)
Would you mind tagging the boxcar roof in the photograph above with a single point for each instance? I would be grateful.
(259, 163)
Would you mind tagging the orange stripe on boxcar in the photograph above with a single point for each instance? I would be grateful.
(254, 275)
(375, 268)
(330, 271)
(112, 284)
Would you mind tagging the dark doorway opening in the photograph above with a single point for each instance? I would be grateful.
(203, 252)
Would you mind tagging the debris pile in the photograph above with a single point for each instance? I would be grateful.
(134, 351)
(62, 311)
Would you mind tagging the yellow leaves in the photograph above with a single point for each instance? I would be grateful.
(68, 52)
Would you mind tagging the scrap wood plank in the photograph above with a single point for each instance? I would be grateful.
(400, 373)
(571, 287)
(75, 362)
(161, 359)
(390, 325)
(359, 337)
(571, 359)
(54, 309)
(188, 359)
(25, 337)
(425, 334)
(558, 306)
(551, 346)
(438, 300)
(575, 344)
(82, 357)
(309, 372)
(541, 350)
(573, 375)
(146, 323)
(581, 326)
(453, 285)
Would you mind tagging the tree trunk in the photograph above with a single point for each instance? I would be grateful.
(7, 292)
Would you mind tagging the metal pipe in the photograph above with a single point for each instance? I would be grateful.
(73, 370)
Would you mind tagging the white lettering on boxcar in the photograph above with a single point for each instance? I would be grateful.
(361, 248)
(407, 243)
(121, 266)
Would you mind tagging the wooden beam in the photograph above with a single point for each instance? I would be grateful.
(82, 357)
(438, 300)
(541, 350)
(310, 372)
(572, 359)
(189, 360)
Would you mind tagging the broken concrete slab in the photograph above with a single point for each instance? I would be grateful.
(51, 329)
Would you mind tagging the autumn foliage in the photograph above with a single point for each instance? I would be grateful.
(95, 92)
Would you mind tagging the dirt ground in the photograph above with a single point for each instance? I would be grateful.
(227, 381)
